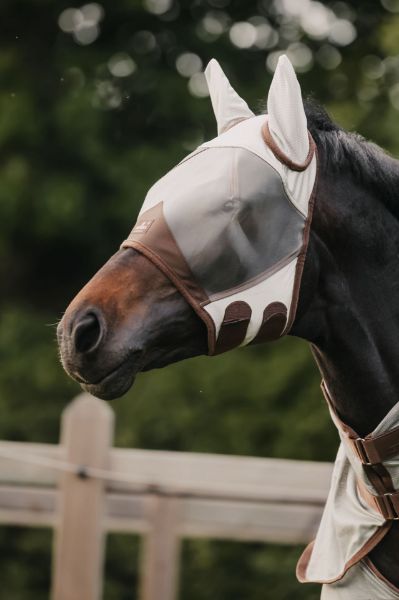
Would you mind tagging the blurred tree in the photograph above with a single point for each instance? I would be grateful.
(97, 101)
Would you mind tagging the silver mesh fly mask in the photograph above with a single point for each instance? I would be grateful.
(229, 224)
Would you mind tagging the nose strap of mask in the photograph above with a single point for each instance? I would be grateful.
(181, 286)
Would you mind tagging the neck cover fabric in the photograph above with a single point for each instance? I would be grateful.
(360, 583)
(350, 528)
(229, 225)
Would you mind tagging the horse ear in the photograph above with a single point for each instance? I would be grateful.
(287, 120)
(227, 105)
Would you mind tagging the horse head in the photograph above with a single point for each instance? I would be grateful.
(216, 257)
(227, 251)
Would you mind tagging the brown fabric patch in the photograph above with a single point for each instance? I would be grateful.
(157, 241)
(234, 327)
(158, 238)
(166, 270)
(142, 226)
(273, 323)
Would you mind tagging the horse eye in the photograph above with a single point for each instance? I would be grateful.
(229, 205)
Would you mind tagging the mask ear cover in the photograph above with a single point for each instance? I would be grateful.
(228, 106)
(285, 131)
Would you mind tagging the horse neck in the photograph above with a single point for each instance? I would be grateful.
(349, 303)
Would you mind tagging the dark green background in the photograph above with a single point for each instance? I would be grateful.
(79, 148)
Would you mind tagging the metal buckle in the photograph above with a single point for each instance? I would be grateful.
(390, 506)
(361, 452)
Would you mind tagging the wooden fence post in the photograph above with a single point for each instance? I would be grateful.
(86, 433)
(161, 552)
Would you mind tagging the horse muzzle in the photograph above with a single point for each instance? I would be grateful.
(90, 357)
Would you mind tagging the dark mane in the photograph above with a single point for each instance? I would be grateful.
(344, 151)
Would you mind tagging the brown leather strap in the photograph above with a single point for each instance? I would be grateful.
(273, 323)
(378, 448)
(386, 504)
(372, 449)
(234, 326)
(379, 478)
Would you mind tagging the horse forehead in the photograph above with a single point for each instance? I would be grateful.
(205, 175)
(211, 176)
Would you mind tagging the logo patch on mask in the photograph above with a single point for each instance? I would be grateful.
(143, 226)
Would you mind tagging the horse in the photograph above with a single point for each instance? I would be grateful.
(340, 232)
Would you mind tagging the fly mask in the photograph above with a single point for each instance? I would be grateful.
(229, 225)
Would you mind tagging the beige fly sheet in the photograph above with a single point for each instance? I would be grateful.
(353, 522)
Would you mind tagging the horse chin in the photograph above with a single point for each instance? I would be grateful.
(115, 383)
(111, 387)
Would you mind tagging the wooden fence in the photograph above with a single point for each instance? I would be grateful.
(84, 488)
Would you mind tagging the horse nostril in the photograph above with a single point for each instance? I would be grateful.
(87, 333)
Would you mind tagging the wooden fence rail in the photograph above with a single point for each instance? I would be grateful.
(84, 488)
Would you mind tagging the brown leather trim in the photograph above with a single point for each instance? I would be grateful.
(371, 543)
(166, 270)
(379, 575)
(159, 239)
(273, 323)
(281, 156)
(234, 326)
(368, 546)
(303, 563)
(156, 241)
(302, 255)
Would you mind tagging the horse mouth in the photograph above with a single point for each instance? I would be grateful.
(114, 383)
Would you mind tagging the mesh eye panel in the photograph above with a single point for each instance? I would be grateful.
(230, 216)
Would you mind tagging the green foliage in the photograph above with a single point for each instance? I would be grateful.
(198, 406)
(236, 571)
(80, 146)
(121, 567)
(25, 563)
